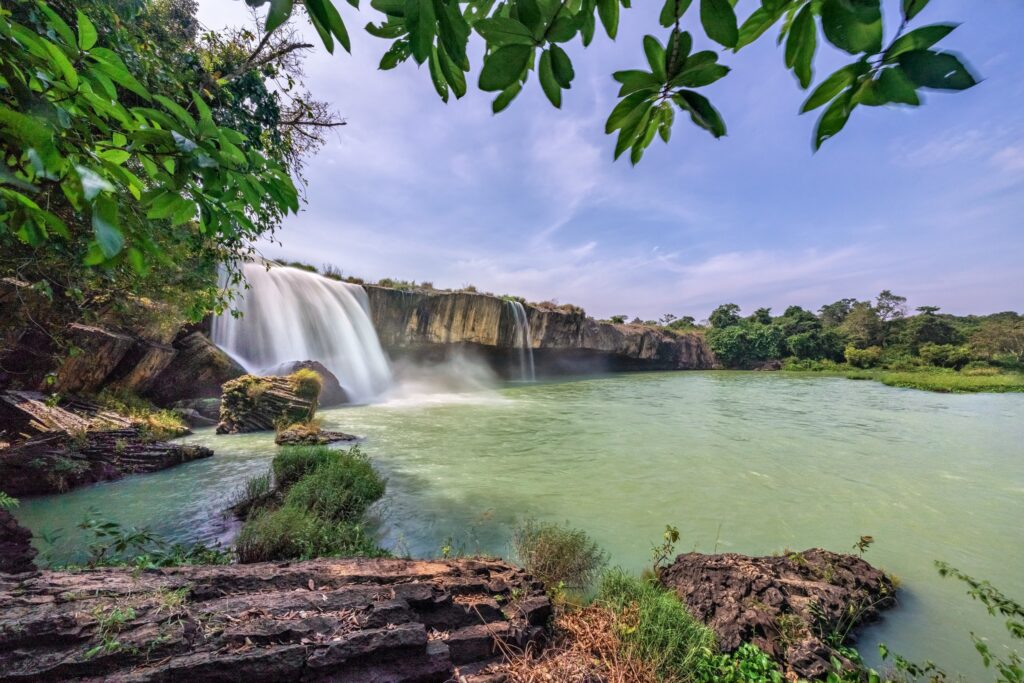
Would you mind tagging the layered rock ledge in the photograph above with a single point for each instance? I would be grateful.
(354, 620)
(796, 607)
(426, 322)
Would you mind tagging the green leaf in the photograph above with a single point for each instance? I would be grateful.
(562, 30)
(528, 12)
(60, 27)
(938, 70)
(336, 25)
(422, 23)
(397, 53)
(137, 262)
(504, 66)
(504, 99)
(672, 11)
(104, 227)
(911, 8)
(86, 32)
(110, 64)
(499, 31)
(677, 52)
(801, 44)
(894, 86)
(608, 10)
(453, 74)
(701, 76)
(279, 12)
(625, 109)
(394, 8)
(437, 76)
(634, 124)
(115, 156)
(834, 119)
(668, 117)
(634, 80)
(92, 182)
(547, 79)
(701, 111)
(756, 24)
(853, 25)
(58, 57)
(655, 57)
(918, 39)
(833, 85)
(178, 111)
(562, 67)
(719, 21)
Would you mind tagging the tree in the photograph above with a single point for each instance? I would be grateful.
(861, 327)
(833, 315)
(667, 318)
(523, 36)
(618, 319)
(928, 328)
(744, 344)
(762, 315)
(889, 306)
(797, 320)
(1002, 335)
(816, 345)
(725, 316)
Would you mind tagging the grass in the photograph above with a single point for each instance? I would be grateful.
(156, 423)
(929, 379)
(317, 509)
(306, 383)
(558, 555)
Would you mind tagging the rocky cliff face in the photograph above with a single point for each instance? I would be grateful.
(428, 323)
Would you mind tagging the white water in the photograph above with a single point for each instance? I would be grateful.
(293, 315)
(526, 369)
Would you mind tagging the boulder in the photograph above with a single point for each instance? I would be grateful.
(59, 461)
(332, 393)
(198, 370)
(207, 407)
(310, 435)
(255, 404)
(24, 414)
(346, 620)
(789, 605)
(16, 551)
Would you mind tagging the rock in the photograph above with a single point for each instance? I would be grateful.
(303, 434)
(194, 418)
(254, 404)
(24, 414)
(332, 393)
(58, 462)
(16, 551)
(198, 370)
(425, 323)
(785, 605)
(207, 407)
(100, 352)
(348, 620)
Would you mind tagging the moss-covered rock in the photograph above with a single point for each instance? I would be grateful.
(253, 404)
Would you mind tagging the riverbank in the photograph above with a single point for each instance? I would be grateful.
(940, 380)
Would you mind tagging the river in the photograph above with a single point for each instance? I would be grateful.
(746, 462)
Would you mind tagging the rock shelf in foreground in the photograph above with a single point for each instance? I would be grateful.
(352, 620)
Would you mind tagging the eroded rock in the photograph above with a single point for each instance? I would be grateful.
(354, 620)
(789, 606)
(332, 393)
(16, 551)
(255, 404)
(198, 370)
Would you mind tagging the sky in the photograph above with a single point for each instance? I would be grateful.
(927, 202)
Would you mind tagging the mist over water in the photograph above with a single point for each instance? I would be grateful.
(290, 314)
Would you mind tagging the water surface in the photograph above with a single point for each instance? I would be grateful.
(745, 462)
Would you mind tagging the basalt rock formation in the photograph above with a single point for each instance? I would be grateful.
(255, 404)
(332, 393)
(16, 551)
(787, 605)
(427, 323)
(356, 621)
(59, 461)
(198, 370)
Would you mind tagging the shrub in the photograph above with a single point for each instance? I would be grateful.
(558, 555)
(748, 664)
(655, 626)
(340, 488)
(863, 358)
(293, 533)
(294, 462)
(306, 384)
(945, 355)
(254, 489)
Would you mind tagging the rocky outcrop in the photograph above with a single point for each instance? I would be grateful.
(16, 551)
(310, 435)
(791, 606)
(562, 337)
(255, 404)
(24, 414)
(198, 370)
(59, 461)
(332, 394)
(350, 621)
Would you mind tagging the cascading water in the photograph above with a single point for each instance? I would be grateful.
(522, 335)
(293, 315)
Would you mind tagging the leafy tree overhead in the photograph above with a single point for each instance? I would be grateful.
(725, 315)
(525, 36)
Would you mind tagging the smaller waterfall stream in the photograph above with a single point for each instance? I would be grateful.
(522, 334)
(293, 315)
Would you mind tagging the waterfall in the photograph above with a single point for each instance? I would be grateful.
(522, 338)
(293, 315)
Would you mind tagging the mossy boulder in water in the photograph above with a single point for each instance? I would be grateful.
(254, 404)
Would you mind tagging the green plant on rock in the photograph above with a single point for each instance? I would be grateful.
(294, 462)
(663, 552)
(558, 555)
(341, 488)
(306, 384)
(295, 533)
(110, 621)
(748, 664)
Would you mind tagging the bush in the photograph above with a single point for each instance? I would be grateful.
(748, 664)
(863, 358)
(945, 355)
(340, 488)
(293, 533)
(294, 462)
(655, 626)
(808, 365)
(558, 555)
(306, 384)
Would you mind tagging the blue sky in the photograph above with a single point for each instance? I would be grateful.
(928, 202)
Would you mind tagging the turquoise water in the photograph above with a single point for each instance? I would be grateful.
(744, 462)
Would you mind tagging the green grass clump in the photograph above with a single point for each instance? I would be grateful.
(306, 384)
(557, 555)
(341, 488)
(294, 462)
(292, 533)
(654, 626)
(954, 382)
